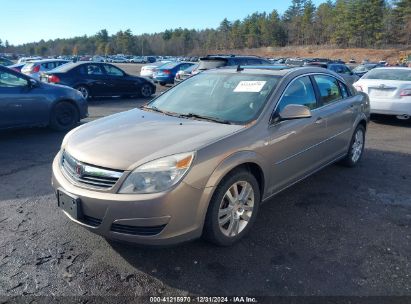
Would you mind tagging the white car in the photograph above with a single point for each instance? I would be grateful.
(389, 91)
(148, 70)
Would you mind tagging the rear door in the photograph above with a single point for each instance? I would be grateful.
(338, 108)
(94, 76)
(295, 146)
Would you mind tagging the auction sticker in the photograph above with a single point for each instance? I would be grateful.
(250, 86)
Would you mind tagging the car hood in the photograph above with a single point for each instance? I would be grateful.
(125, 140)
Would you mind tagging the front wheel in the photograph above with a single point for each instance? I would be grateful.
(64, 116)
(146, 91)
(233, 208)
(356, 149)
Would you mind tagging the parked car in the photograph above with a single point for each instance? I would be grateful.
(25, 59)
(200, 158)
(362, 69)
(389, 90)
(26, 102)
(94, 79)
(98, 59)
(137, 59)
(36, 68)
(148, 70)
(5, 61)
(338, 68)
(166, 73)
(119, 59)
(218, 61)
(184, 74)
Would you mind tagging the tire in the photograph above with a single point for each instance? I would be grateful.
(162, 84)
(146, 91)
(84, 90)
(227, 219)
(356, 149)
(64, 116)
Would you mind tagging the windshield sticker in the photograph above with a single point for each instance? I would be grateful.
(250, 86)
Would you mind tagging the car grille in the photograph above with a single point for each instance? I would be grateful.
(137, 230)
(88, 176)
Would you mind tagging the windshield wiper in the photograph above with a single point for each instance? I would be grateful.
(214, 119)
(155, 109)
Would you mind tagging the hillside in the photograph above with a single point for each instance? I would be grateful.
(359, 54)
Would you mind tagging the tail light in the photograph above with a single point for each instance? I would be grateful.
(35, 69)
(167, 72)
(406, 92)
(54, 79)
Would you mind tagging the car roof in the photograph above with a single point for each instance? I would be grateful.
(222, 56)
(46, 60)
(273, 70)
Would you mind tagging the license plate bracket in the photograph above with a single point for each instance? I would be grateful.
(69, 203)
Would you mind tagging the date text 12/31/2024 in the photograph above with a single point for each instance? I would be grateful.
(203, 299)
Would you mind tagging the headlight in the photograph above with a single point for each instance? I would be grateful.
(158, 175)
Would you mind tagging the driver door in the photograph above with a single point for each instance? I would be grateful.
(19, 103)
(294, 147)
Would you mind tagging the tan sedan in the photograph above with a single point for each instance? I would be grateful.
(200, 159)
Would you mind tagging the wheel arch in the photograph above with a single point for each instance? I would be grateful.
(248, 160)
(53, 105)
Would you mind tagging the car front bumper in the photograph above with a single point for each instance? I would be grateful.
(400, 106)
(177, 215)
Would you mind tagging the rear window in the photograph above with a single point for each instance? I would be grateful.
(64, 67)
(29, 66)
(169, 65)
(207, 64)
(389, 74)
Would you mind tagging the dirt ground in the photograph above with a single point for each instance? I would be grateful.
(389, 55)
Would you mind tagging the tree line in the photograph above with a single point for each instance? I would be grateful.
(342, 23)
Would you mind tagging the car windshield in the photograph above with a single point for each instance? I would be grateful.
(224, 97)
(389, 74)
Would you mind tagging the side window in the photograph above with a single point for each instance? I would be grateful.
(329, 88)
(300, 92)
(8, 80)
(253, 61)
(93, 69)
(344, 91)
(113, 71)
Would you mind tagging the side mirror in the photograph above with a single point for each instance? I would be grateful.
(294, 111)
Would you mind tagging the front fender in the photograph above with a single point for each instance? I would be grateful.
(235, 160)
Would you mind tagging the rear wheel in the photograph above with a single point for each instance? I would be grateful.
(356, 149)
(84, 91)
(162, 84)
(64, 116)
(233, 208)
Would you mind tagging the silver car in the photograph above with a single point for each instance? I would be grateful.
(200, 159)
(37, 67)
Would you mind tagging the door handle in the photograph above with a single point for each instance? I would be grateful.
(319, 120)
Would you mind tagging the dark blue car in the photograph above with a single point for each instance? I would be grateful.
(26, 102)
(166, 73)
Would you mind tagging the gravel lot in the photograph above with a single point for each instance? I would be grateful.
(340, 232)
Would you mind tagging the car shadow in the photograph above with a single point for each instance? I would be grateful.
(317, 237)
(391, 120)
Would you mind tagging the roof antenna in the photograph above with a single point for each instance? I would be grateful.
(239, 68)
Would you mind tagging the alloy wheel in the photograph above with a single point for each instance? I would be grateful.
(357, 146)
(236, 208)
